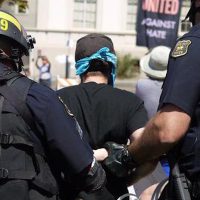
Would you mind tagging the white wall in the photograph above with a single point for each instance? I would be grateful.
(60, 14)
(55, 14)
(112, 12)
(43, 14)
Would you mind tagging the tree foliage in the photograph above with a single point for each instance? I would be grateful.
(127, 67)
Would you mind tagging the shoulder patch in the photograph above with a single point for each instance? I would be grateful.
(181, 48)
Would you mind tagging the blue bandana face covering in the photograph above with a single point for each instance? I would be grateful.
(82, 65)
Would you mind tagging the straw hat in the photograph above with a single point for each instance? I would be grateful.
(154, 64)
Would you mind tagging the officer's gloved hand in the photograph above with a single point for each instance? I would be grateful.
(96, 178)
(119, 161)
(90, 180)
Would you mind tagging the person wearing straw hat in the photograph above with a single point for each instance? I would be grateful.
(154, 65)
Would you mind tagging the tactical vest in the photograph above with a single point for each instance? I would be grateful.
(24, 170)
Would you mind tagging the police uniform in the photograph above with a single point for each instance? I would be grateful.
(59, 128)
(39, 137)
(182, 89)
(56, 137)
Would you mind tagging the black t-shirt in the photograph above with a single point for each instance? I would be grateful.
(182, 88)
(105, 114)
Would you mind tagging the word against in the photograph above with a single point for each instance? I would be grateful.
(158, 23)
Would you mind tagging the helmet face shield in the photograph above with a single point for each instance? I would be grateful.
(12, 29)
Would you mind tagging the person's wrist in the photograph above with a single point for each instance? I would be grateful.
(100, 154)
(104, 153)
(119, 161)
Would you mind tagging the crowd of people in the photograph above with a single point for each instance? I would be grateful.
(91, 141)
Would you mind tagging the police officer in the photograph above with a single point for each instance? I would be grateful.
(39, 138)
(176, 127)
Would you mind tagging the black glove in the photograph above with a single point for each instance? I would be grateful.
(119, 161)
(96, 178)
(90, 181)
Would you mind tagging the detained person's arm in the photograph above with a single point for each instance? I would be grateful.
(140, 172)
(140, 157)
(119, 161)
(101, 153)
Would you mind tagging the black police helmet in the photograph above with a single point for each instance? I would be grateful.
(11, 29)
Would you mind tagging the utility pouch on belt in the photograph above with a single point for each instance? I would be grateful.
(24, 170)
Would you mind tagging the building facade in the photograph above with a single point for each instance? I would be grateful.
(57, 25)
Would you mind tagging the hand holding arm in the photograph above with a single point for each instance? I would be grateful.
(119, 162)
(101, 154)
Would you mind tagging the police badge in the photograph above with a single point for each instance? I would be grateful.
(181, 48)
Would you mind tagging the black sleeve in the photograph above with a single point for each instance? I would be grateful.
(61, 131)
(182, 84)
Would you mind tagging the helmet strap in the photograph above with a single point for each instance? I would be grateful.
(16, 57)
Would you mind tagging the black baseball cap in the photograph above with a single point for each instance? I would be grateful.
(91, 43)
